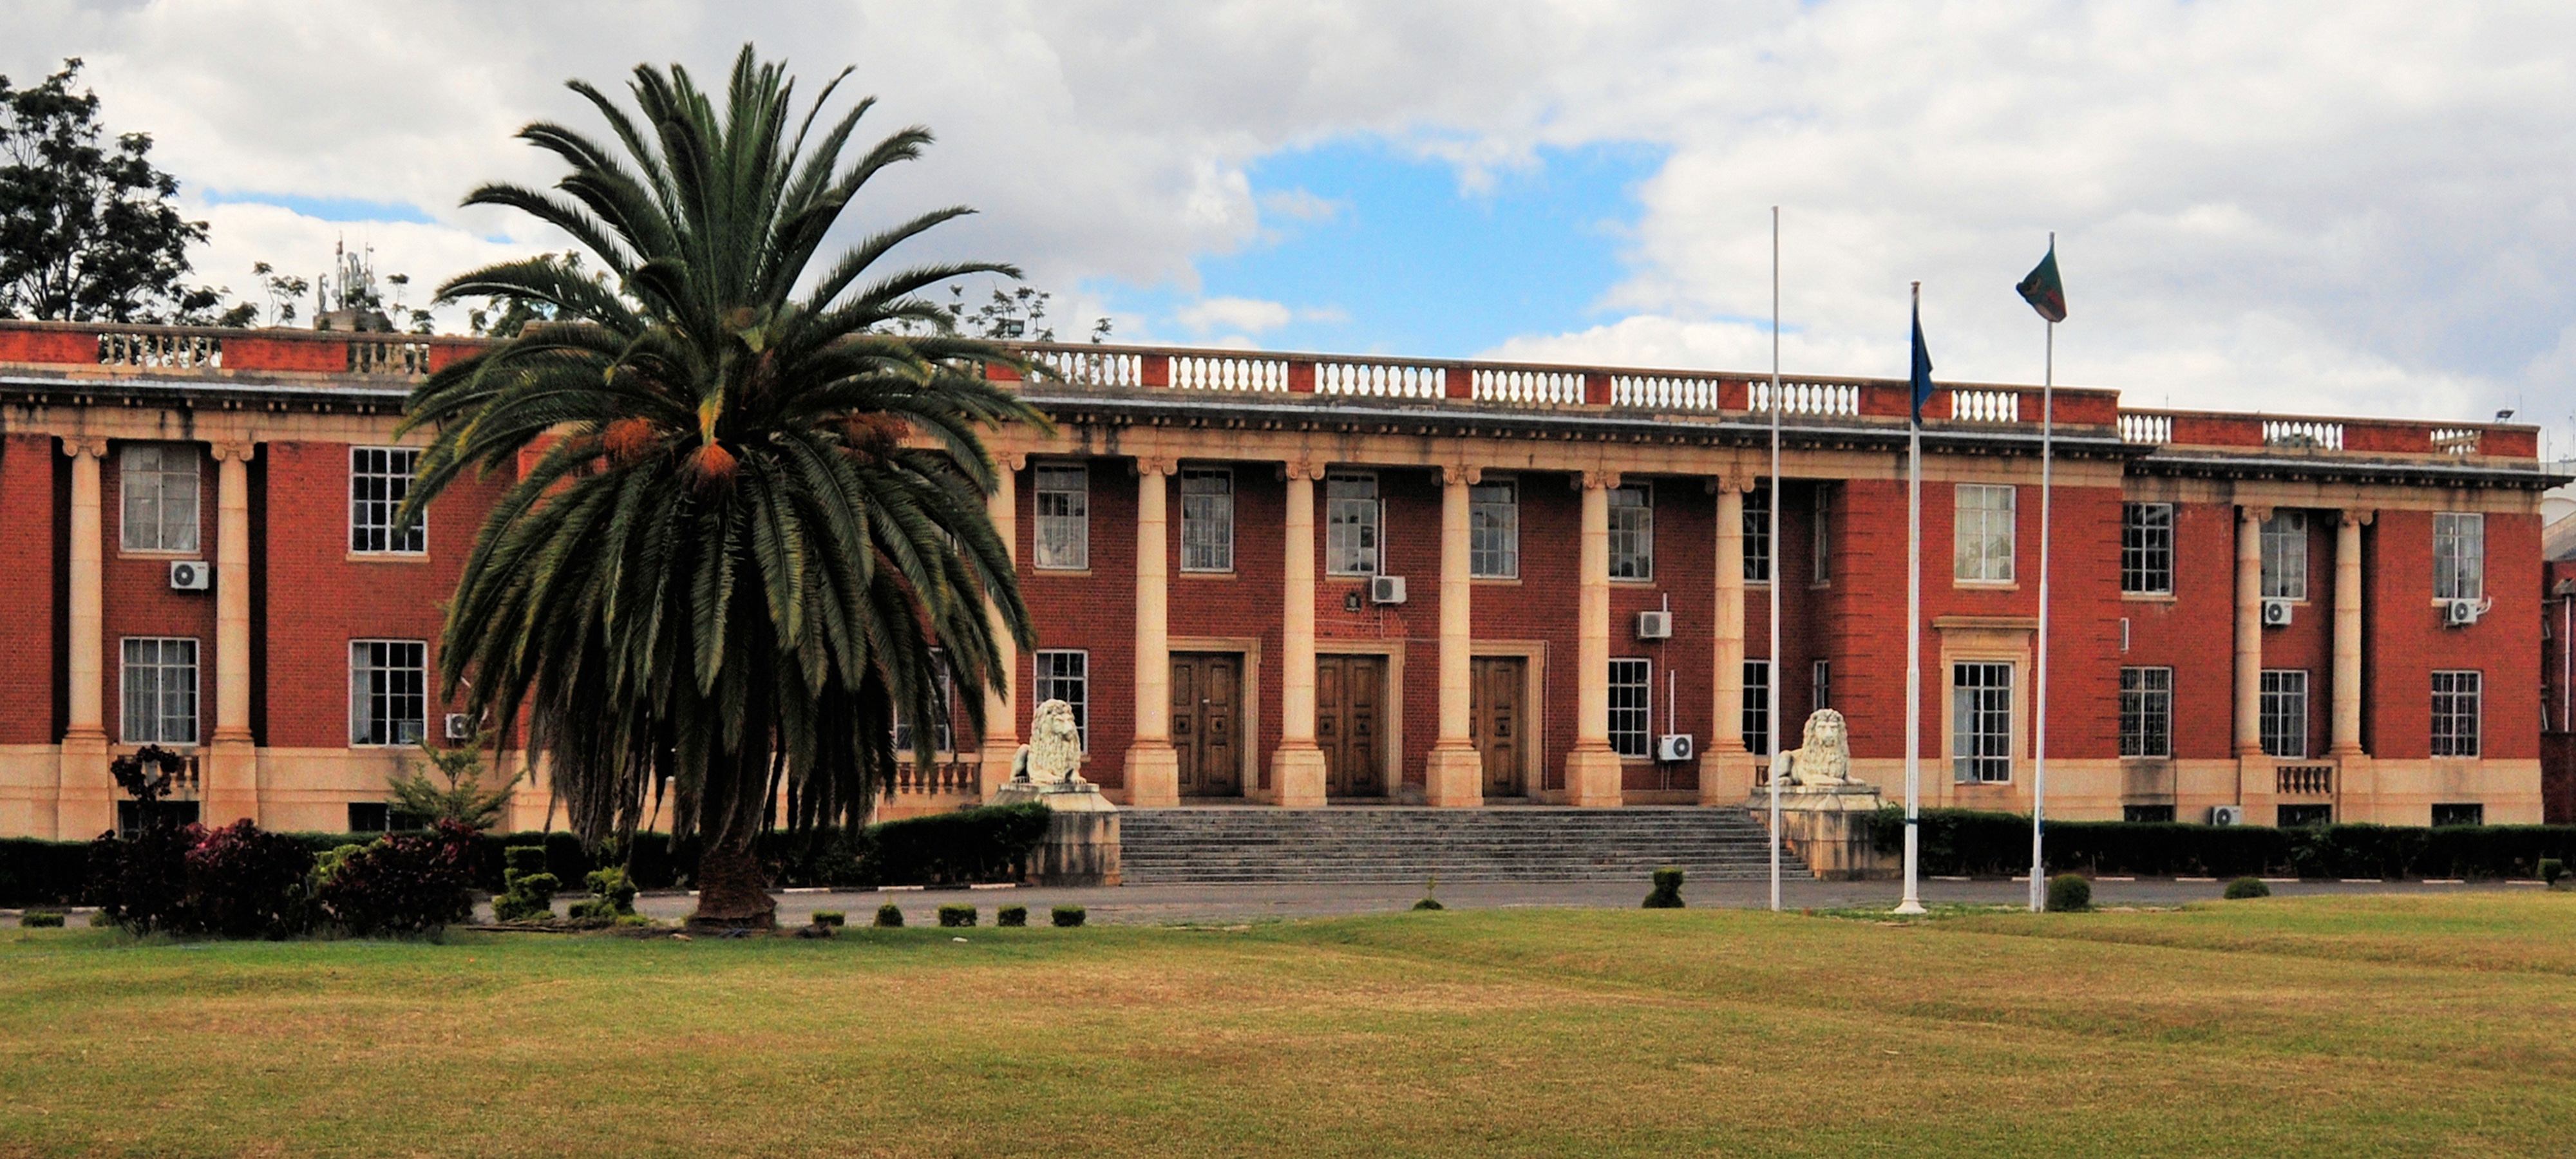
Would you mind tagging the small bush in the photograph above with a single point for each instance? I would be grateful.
(245, 882)
(2551, 869)
(2069, 893)
(1429, 903)
(956, 914)
(830, 917)
(1011, 915)
(2245, 887)
(1667, 893)
(41, 920)
(611, 894)
(528, 891)
(1068, 916)
(890, 916)
(404, 884)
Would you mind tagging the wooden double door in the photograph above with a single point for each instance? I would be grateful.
(1207, 722)
(1350, 720)
(1497, 718)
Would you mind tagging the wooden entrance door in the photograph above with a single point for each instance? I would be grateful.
(1495, 718)
(1207, 714)
(1350, 698)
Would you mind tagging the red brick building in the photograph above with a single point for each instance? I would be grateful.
(1313, 579)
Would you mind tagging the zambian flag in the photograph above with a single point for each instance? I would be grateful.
(2042, 289)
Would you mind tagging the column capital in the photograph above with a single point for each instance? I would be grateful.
(1156, 466)
(2253, 513)
(1011, 460)
(93, 446)
(1596, 480)
(234, 452)
(1452, 474)
(1309, 470)
(2358, 516)
(1737, 484)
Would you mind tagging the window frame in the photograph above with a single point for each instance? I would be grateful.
(1820, 520)
(2146, 549)
(1354, 525)
(2282, 693)
(158, 714)
(1973, 559)
(368, 536)
(1755, 719)
(2146, 713)
(1042, 683)
(2458, 574)
(162, 474)
(1060, 540)
(944, 738)
(2462, 709)
(1969, 722)
(1494, 529)
(1207, 521)
(365, 695)
(1757, 525)
(1632, 532)
(1820, 686)
(1631, 701)
(2279, 534)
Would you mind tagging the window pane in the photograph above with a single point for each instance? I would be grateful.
(2284, 712)
(1983, 538)
(2285, 556)
(2455, 713)
(1757, 534)
(379, 480)
(1981, 722)
(1207, 519)
(1757, 707)
(158, 691)
(2146, 712)
(1632, 532)
(2146, 548)
(1063, 534)
(159, 486)
(388, 691)
(1494, 530)
(2459, 556)
(1350, 524)
(1631, 702)
(1821, 524)
(1066, 676)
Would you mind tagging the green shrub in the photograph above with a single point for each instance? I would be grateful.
(404, 884)
(1068, 916)
(1011, 915)
(36, 919)
(2245, 887)
(890, 916)
(528, 891)
(610, 890)
(956, 914)
(829, 917)
(1965, 841)
(1667, 893)
(235, 882)
(1429, 903)
(2551, 869)
(970, 845)
(36, 872)
(2069, 893)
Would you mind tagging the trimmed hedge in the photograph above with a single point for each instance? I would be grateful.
(35, 872)
(1963, 841)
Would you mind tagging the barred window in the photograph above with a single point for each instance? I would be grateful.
(1066, 676)
(1821, 525)
(1632, 531)
(2146, 712)
(944, 737)
(1064, 516)
(1207, 519)
(2285, 556)
(1757, 707)
(1632, 698)
(1821, 687)
(1757, 534)
(2455, 713)
(1981, 722)
(160, 690)
(2283, 712)
(1350, 523)
(388, 691)
(379, 481)
(2146, 548)
(1984, 533)
(1494, 530)
(158, 484)
(2459, 556)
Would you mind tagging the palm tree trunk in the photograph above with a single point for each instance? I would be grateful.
(733, 889)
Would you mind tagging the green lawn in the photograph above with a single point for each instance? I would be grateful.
(2346, 1027)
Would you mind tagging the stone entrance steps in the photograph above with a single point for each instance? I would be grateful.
(1365, 844)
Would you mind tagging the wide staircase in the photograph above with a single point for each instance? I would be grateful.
(1396, 844)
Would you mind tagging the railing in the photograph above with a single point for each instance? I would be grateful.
(1381, 379)
(1094, 367)
(2149, 429)
(382, 357)
(940, 778)
(1985, 406)
(1234, 372)
(1806, 398)
(1667, 392)
(1527, 386)
(164, 351)
(2303, 780)
(2461, 441)
(2302, 434)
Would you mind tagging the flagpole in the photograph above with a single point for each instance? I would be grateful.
(1912, 903)
(1771, 565)
(2039, 733)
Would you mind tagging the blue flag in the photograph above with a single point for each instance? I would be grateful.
(1922, 365)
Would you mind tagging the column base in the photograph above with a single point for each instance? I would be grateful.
(2257, 789)
(999, 754)
(231, 792)
(1297, 776)
(85, 794)
(1153, 776)
(1592, 779)
(1454, 777)
(1725, 778)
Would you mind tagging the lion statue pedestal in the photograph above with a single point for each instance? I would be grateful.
(1824, 813)
(1081, 845)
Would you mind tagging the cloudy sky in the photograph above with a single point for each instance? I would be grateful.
(2358, 207)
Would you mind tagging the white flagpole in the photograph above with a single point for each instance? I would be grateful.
(1771, 562)
(1913, 900)
(2039, 732)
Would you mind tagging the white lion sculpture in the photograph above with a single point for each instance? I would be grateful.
(1824, 757)
(1053, 755)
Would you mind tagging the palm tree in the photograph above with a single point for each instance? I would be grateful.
(748, 516)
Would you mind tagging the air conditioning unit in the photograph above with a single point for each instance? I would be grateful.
(1386, 589)
(1654, 625)
(459, 726)
(2461, 613)
(191, 575)
(2276, 613)
(2227, 814)
(1673, 746)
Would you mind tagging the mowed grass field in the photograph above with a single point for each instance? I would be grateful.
(2345, 1027)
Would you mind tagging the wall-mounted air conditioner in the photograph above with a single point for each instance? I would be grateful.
(459, 726)
(2227, 814)
(1654, 625)
(1386, 589)
(2276, 613)
(190, 575)
(2461, 613)
(1673, 747)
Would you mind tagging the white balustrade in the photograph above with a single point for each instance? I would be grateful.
(2303, 433)
(2151, 429)
(1093, 367)
(396, 357)
(1665, 392)
(161, 351)
(2456, 440)
(1229, 372)
(1380, 379)
(1528, 386)
(1806, 398)
(1985, 406)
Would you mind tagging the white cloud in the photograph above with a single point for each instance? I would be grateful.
(1242, 314)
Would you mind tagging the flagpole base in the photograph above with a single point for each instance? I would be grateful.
(1909, 907)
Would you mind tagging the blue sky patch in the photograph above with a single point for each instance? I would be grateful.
(325, 208)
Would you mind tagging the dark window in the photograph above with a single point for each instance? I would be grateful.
(2147, 814)
(129, 815)
(2294, 816)
(2467, 814)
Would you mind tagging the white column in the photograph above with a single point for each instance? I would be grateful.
(1725, 768)
(81, 782)
(1001, 701)
(2346, 739)
(1297, 765)
(231, 788)
(1592, 769)
(1454, 775)
(2249, 629)
(1153, 770)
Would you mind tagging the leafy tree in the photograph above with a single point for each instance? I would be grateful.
(89, 230)
(463, 799)
(750, 512)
